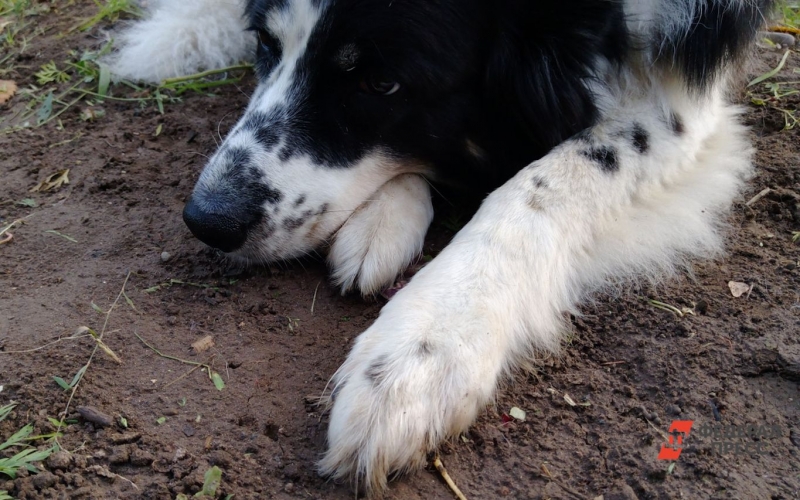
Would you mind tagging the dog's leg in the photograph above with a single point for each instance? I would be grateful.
(646, 186)
(182, 37)
(382, 236)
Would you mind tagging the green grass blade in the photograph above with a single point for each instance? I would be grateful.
(17, 437)
(62, 383)
(770, 74)
(5, 411)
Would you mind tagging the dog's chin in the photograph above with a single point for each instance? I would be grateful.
(257, 253)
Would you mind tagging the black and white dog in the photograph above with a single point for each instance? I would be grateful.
(602, 124)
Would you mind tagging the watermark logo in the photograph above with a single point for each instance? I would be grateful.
(724, 438)
(678, 432)
(739, 439)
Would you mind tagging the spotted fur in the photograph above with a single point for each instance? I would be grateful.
(599, 129)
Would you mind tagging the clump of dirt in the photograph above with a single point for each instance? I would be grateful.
(596, 417)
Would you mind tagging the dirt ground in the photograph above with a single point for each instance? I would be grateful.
(597, 416)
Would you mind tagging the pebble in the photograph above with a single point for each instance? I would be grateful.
(125, 438)
(180, 454)
(141, 457)
(288, 487)
(783, 39)
(59, 460)
(624, 493)
(673, 409)
(165, 256)
(119, 455)
(94, 416)
(44, 479)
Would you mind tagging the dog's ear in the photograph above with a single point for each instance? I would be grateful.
(544, 57)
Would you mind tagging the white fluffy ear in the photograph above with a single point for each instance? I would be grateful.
(181, 38)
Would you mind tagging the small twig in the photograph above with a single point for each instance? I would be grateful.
(665, 307)
(609, 363)
(212, 375)
(46, 345)
(203, 74)
(314, 300)
(69, 238)
(167, 356)
(98, 343)
(186, 374)
(13, 224)
(757, 197)
(437, 462)
(663, 434)
(549, 475)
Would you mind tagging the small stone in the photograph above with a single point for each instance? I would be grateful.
(288, 487)
(94, 416)
(119, 455)
(128, 437)
(44, 479)
(180, 454)
(188, 430)
(782, 39)
(59, 460)
(141, 458)
(624, 493)
(673, 409)
(165, 256)
(221, 459)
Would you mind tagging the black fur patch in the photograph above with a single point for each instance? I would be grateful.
(605, 157)
(718, 34)
(377, 371)
(294, 222)
(267, 127)
(641, 139)
(676, 124)
(243, 183)
(424, 348)
(513, 77)
(300, 200)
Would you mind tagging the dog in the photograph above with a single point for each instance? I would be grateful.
(600, 130)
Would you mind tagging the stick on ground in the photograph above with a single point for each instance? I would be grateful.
(437, 462)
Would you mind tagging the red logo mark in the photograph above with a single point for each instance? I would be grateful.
(678, 432)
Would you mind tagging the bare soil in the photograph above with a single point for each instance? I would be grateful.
(629, 367)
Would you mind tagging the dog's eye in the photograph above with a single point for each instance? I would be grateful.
(378, 86)
(268, 42)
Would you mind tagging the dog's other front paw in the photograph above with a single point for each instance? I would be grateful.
(382, 237)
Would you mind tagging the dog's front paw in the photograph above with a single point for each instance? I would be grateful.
(382, 236)
(418, 375)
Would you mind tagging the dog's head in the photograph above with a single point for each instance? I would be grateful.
(352, 93)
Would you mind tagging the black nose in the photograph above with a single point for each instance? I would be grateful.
(225, 232)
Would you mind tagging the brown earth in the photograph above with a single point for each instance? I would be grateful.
(630, 368)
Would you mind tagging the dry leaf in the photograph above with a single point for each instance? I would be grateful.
(52, 181)
(569, 400)
(4, 21)
(738, 289)
(7, 90)
(203, 344)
